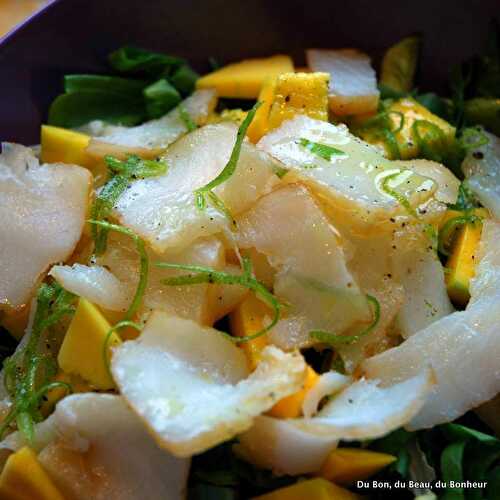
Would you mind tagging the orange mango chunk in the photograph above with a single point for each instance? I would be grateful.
(247, 319)
(312, 489)
(244, 79)
(291, 406)
(347, 465)
(461, 263)
(24, 478)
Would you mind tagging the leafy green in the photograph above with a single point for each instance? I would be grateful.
(335, 339)
(160, 97)
(230, 167)
(78, 108)
(184, 79)
(219, 474)
(29, 372)
(435, 104)
(137, 61)
(121, 174)
(484, 111)
(451, 469)
(200, 274)
(127, 86)
(399, 65)
(322, 150)
(125, 101)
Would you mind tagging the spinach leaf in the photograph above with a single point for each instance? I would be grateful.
(114, 84)
(77, 108)
(136, 61)
(184, 79)
(160, 97)
(451, 469)
(435, 104)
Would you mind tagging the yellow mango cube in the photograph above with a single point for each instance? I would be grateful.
(65, 146)
(82, 349)
(347, 465)
(312, 489)
(461, 263)
(247, 319)
(299, 94)
(291, 406)
(260, 122)
(243, 80)
(24, 478)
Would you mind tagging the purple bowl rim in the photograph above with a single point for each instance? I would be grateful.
(7, 37)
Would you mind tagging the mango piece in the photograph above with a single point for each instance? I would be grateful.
(347, 465)
(243, 80)
(247, 319)
(461, 263)
(24, 478)
(411, 111)
(81, 352)
(260, 122)
(312, 489)
(299, 93)
(65, 146)
(291, 406)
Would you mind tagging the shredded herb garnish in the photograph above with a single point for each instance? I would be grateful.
(322, 150)
(200, 274)
(27, 373)
(105, 344)
(334, 339)
(432, 145)
(401, 199)
(186, 119)
(139, 292)
(381, 127)
(465, 199)
(202, 193)
(144, 263)
(121, 174)
(473, 138)
(450, 227)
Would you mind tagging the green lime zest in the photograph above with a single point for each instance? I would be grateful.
(186, 118)
(322, 150)
(400, 198)
(334, 339)
(139, 292)
(230, 167)
(451, 226)
(121, 174)
(29, 371)
(431, 140)
(201, 274)
(105, 344)
(144, 263)
(473, 138)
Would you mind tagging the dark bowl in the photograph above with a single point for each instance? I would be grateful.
(75, 35)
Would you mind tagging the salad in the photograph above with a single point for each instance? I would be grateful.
(269, 281)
